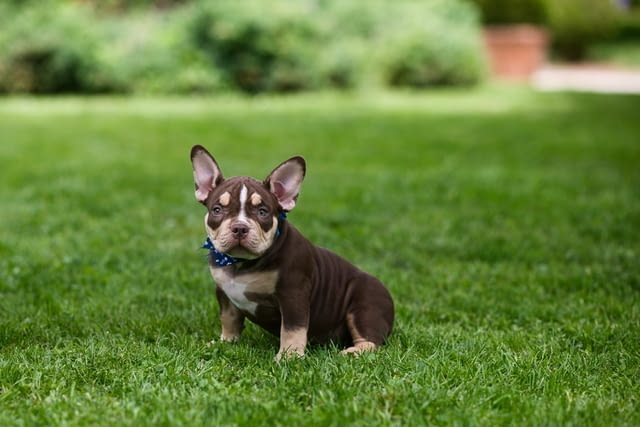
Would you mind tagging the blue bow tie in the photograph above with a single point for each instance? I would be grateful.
(223, 260)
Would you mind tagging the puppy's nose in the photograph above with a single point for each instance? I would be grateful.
(239, 230)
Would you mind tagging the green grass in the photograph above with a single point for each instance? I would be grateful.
(506, 224)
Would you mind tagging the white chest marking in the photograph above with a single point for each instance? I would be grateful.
(236, 287)
(236, 293)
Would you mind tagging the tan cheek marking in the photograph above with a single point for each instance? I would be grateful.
(210, 231)
(256, 199)
(267, 235)
(215, 234)
(225, 199)
(264, 238)
(222, 234)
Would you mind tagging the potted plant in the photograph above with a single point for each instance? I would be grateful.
(514, 36)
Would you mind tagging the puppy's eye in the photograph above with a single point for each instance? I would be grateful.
(263, 211)
(217, 210)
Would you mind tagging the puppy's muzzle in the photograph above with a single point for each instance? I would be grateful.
(239, 230)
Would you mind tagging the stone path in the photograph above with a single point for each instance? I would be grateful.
(587, 78)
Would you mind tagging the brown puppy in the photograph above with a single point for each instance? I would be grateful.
(268, 272)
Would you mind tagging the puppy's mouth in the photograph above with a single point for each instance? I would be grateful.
(240, 249)
(245, 247)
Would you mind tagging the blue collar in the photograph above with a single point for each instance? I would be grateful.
(224, 260)
(220, 259)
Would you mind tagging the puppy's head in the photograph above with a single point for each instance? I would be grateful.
(242, 212)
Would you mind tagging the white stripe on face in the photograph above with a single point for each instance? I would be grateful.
(242, 216)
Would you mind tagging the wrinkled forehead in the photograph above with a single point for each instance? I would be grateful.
(237, 191)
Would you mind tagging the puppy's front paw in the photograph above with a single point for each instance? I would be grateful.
(229, 338)
(293, 341)
(224, 338)
(359, 348)
(289, 353)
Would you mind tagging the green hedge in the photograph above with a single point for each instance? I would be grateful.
(248, 45)
(513, 11)
(430, 44)
(53, 50)
(575, 24)
(255, 49)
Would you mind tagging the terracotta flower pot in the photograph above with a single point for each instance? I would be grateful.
(515, 51)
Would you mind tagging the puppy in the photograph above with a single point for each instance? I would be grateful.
(267, 271)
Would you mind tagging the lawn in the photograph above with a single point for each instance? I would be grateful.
(506, 224)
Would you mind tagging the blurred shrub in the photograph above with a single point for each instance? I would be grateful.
(575, 24)
(513, 11)
(57, 46)
(50, 49)
(339, 43)
(629, 28)
(133, 4)
(431, 43)
(151, 53)
(257, 45)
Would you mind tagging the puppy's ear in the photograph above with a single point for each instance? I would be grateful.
(285, 182)
(206, 172)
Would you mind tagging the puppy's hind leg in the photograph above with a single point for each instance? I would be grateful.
(370, 319)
